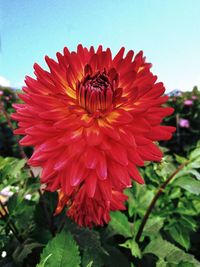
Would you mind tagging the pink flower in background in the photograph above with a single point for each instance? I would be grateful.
(188, 102)
(1, 92)
(184, 123)
(194, 97)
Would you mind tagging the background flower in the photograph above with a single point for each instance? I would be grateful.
(188, 102)
(184, 123)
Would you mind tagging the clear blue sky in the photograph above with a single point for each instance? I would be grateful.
(168, 31)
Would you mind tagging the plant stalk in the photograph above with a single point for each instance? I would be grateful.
(154, 200)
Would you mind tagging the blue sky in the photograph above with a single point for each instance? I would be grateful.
(168, 31)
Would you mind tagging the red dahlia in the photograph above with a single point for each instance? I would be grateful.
(92, 119)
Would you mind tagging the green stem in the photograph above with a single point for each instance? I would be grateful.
(154, 200)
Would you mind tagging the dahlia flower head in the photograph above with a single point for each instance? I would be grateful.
(92, 120)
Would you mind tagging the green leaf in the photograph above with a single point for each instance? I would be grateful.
(188, 170)
(186, 264)
(165, 168)
(188, 208)
(149, 172)
(64, 251)
(139, 199)
(90, 264)
(153, 226)
(189, 223)
(134, 248)
(179, 256)
(195, 153)
(43, 262)
(92, 255)
(12, 166)
(12, 172)
(181, 236)
(196, 205)
(180, 159)
(18, 166)
(189, 184)
(161, 263)
(159, 247)
(21, 211)
(131, 202)
(195, 173)
(23, 250)
(89, 244)
(175, 193)
(194, 164)
(120, 224)
(169, 252)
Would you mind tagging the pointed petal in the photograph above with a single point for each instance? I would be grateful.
(101, 167)
(135, 173)
(118, 153)
(90, 184)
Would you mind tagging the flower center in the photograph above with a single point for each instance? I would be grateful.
(95, 92)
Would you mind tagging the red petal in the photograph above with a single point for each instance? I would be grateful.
(127, 138)
(77, 173)
(140, 140)
(91, 158)
(90, 184)
(119, 175)
(101, 167)
(160, 133)
(70, 122)
(71, 136)
(93, 136)
(135, 157)
(19, 131)
(119, 116)
(28, 141)
(108, 130)
(106, 189)
(135, 173)
(119, 154)
(119, 56)
(147, 154)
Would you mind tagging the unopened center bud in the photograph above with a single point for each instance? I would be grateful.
(95, 93)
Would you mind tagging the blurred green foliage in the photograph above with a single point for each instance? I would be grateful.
(8, 146)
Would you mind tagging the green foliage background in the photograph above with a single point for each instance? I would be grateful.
(30, 235)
